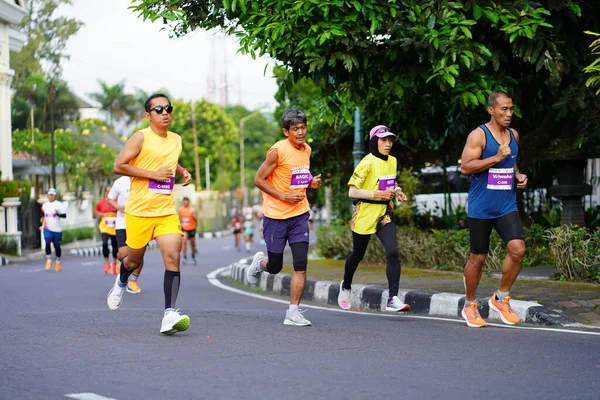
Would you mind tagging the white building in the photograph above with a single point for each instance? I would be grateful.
(11, 13)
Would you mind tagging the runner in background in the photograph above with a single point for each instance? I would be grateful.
(107, 226)
(237, 225)
(52, 211)
(249, 232)
(187, 218)
(117, 198)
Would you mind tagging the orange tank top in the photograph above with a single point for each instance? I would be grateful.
(186, 217)
(292, 174)
(148, 197)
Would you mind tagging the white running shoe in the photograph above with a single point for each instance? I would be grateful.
(253, 271)
(344, 298)
(296, 318)
(115, 295)
(395, 305)
(174, 322)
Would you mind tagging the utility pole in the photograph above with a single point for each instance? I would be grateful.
(52, 159)
(358, 150)
(196, 155)
(242, 167)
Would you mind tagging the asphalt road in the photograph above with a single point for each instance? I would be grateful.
(58, 338)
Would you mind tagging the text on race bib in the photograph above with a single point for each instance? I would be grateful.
(387, 182)
(110, 222)
(161, 187)
(500, 178)
(301, 178)
(54, 214)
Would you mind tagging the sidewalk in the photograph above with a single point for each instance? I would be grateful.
(579, 302)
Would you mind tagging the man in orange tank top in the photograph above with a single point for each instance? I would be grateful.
(150, 158)
(283, 178)
(187, 216)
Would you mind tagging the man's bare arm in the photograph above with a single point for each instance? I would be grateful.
(470, 159)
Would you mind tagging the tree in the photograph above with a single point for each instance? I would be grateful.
(47, 36)
(594, 68)
(259, 136)
(217, 140)
(422, 65)
(84, 164)
(119, 106)
(37, 68)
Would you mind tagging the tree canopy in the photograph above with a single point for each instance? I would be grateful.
(421, 66)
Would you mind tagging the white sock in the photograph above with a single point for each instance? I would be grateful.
(248, 246)
(293, 307)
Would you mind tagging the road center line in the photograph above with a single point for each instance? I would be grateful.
(214, 280)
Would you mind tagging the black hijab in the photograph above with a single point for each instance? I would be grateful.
(373, 149)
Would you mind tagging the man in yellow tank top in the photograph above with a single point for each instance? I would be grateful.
(150, 157)
(283, 178)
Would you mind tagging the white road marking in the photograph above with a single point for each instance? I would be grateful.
(88, 263)
(214, 280)
(26, 271)
(88, 396)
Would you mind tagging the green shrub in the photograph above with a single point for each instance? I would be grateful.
(8, 245)
(576, 252)
(20, 189)
(69, 235)
(438, 249)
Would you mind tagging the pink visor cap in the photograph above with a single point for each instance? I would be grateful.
(381, 131)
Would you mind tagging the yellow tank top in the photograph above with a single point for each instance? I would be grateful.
(292, 174)
(371, 173)
(147, 197)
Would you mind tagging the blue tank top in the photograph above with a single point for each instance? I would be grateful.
(493, 192)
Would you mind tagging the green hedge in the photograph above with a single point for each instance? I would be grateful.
(8, 245)
(70, 235)
(437, 249)
(19, 189)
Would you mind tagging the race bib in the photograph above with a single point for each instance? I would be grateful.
(185, 221)
(161, 187)
(301, 178)
(237, 226)
(110, 222)
(54, 214)
(500, 178)
(387, 182)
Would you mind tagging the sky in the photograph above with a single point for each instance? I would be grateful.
(115, 45)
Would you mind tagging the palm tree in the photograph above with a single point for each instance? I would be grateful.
(119, 105)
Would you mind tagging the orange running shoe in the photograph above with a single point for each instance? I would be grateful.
(113, 267)
(507, 315)
(133, 287)
(48, 264)
(472, 316)
(58, 266)
(107, 268)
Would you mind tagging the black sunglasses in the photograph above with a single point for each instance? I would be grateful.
(383, 129)
(159, 109)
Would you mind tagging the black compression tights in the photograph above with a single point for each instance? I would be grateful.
(387, 236)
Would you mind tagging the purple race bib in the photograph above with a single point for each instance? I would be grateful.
(161, 187)
(301, 178)
(387, 182)
(500, 178)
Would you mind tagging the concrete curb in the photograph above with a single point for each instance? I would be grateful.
(371, 297)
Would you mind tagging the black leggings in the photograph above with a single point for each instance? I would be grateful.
(387, 237)
(113, 243)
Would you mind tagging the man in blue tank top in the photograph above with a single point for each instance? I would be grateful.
(490, 158)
